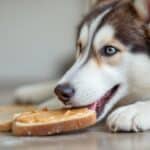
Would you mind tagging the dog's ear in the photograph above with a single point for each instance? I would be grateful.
(143, 8)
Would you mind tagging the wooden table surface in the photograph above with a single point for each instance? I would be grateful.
(95, 138)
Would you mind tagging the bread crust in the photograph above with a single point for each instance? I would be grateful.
(53, 128)
(6, 125)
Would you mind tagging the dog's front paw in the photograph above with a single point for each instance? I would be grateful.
(130, 118)
(25, 95)
(32, 94)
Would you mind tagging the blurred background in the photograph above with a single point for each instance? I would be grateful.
(37, 38)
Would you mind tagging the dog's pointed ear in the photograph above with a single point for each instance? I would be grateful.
(143, 8)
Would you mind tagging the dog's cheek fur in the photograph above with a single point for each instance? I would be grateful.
(136, 83)
(138, 73)
(93, 81)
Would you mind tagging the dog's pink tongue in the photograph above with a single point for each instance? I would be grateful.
(93, 106)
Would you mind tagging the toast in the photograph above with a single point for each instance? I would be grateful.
(46, 122)
(7, 113)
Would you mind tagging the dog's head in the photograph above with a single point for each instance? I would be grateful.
(106, 39)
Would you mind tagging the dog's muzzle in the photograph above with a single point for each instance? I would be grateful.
(64, 92)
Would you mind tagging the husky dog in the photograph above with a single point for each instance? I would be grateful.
(111, 74)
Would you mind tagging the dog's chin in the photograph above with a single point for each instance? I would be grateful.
(99, 105)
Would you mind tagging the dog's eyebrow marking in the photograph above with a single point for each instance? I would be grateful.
(92, 30)
(103, 35)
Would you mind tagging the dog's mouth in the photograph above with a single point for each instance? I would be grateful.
(99, 105)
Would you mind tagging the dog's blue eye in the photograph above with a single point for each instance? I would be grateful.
(109, 51)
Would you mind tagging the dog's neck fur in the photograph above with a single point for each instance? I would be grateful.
(139, 88)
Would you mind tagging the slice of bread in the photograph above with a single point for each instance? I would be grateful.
(7, 113)
(45, 122)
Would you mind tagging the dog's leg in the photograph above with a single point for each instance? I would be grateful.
(34, 93)
(133, 117)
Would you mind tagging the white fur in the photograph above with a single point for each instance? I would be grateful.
(104, 35)
(96, 81)
(134, 117)
(137, 73)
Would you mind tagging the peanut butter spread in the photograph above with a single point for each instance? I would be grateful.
(44, 116)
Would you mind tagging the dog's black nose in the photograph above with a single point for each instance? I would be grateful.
(64, 92)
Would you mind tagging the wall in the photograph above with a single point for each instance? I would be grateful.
(37, 37)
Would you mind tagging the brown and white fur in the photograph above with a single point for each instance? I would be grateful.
(123, 25)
